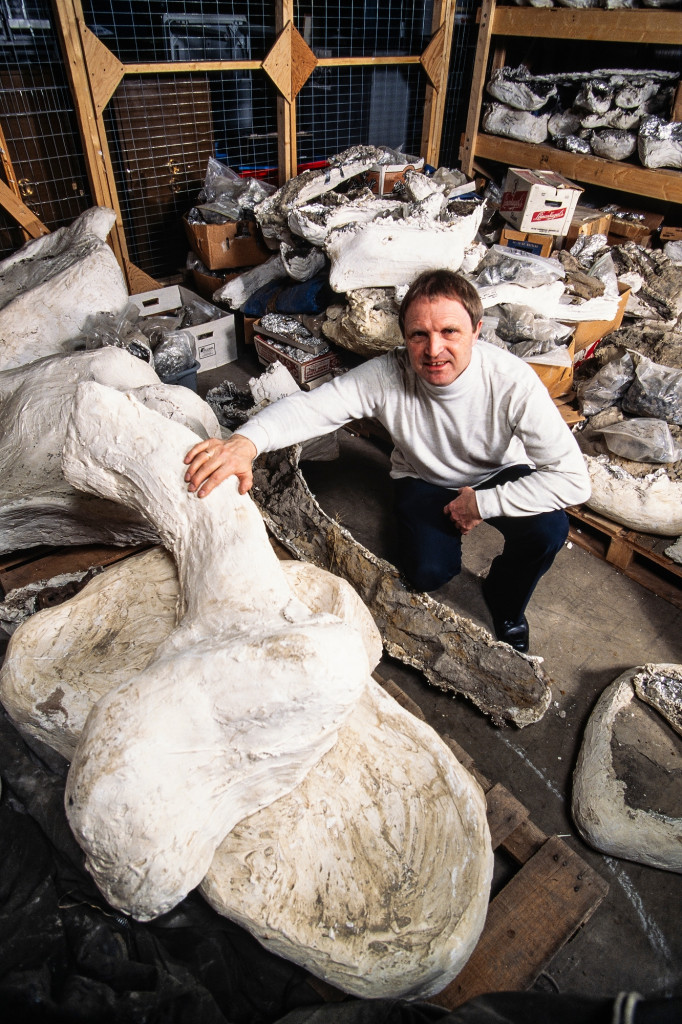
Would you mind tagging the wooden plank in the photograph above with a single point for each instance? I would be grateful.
(358, 62)
(64, 560)
(505, 813)
(660, 183)
(618, 26)
(528, 922)
(468, 149)
(21, 213)
(434, 104)
(619, 552)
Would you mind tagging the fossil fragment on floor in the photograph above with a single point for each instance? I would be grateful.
(38, 506)
(205, 741)
(53, 284)
(628, 776)
(453, 653)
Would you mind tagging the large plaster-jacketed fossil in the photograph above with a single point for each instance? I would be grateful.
(202, 756)
(38, 506)
(385, 252)
(53, 284)
(619, 804)
(652, 504)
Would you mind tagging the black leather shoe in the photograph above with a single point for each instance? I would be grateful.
(513, 633)
(510, 631)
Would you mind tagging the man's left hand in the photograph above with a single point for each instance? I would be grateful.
(463, 511)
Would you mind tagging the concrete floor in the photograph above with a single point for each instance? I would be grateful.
(589, 623)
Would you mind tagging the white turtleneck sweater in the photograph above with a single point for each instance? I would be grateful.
(495, 414)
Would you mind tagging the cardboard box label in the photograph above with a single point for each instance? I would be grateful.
(543, 215)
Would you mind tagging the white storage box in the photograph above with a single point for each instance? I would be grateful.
(215, 339)
(540, 201)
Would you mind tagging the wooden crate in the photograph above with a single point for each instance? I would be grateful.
(639, 556)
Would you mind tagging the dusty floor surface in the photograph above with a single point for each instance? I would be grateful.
(589, 623)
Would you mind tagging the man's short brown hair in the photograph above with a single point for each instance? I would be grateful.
(442, 284)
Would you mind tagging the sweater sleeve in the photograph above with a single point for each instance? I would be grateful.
(307, 414)
(561, 478)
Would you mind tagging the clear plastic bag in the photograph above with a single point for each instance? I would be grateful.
(174, 354)
(607, 386)
(503, 265)
(656, 391)
(227, 196)
(521, 324)
(120, 330)
(642, 440)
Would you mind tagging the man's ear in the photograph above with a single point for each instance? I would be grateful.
(477, 330)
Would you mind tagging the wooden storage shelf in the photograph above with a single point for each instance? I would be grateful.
(595, 170)
(618, 26)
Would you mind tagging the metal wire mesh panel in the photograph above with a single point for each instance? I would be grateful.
(158, 30)
(347, 106)
(162, 129)
(465, 34)
(364, 28)
(42, 153)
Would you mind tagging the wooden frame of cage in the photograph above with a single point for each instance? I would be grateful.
(94, 74)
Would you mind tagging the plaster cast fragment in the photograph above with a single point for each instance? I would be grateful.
(52, 285)
(37, 505)
(601, 808)
(237, 292)
(652, 504)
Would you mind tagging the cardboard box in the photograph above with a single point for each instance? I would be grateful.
(670, 234)
(302, 372)
(539, 201)
(215, 339)
(557, 379)
(539, 245)
(207, 284)
(381, 179)
(586, 221)
(640, 231)
(589, 331)
(236, 244)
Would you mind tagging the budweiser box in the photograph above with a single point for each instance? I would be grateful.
(301, 369)
(539, 201)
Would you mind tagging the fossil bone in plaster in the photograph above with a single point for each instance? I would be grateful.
(53, 284)
(387, 832)
(651, 504)
(230, 714)
(600, 806)
(38, 506)
(313, 221)
(453, 652)
(386, 253)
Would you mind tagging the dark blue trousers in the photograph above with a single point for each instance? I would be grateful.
(430, 545)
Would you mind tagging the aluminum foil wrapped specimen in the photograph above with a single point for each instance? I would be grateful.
(522, 125)
(53, 284)
(37, 505)
(612, 143)
(659, 144)
(177, 778)
(517, 88)
(611, 808)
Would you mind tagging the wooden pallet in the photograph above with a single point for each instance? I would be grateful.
(537, 911)
(34, 565)
(640, 556)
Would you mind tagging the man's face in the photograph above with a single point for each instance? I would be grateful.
(439, 339)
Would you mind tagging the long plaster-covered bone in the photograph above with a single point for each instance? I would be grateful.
(353, 873)
(385, 253)
(230, 713)
(53, 284)
(651, 504)
(37, 505)
(600, 806)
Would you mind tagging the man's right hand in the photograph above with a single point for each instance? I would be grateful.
(210, 462)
